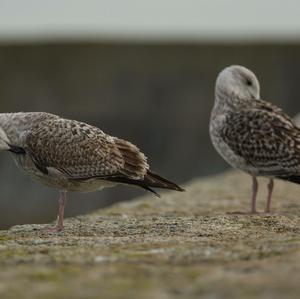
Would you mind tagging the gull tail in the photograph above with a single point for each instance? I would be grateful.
(151, 180)
(155, 181)
(292, 178)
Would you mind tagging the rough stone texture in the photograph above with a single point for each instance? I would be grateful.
(185, 245)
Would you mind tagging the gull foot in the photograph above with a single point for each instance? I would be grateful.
(54, 229)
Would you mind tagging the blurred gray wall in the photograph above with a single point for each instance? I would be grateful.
(157, 96)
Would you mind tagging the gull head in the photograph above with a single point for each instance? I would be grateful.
(237, 81)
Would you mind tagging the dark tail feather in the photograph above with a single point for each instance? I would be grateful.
(292, 178)
(150, 180)
(154, 180)
(151, 190)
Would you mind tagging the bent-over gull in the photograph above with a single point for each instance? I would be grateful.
(74, 156)
(251, 134)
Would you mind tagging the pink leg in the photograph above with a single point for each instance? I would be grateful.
(253, 200)
(254, 193)
(62, 201)
(270, 190)
(61, 210)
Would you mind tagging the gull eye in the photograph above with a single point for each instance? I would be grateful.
(248, 82)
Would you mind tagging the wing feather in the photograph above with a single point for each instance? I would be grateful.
(81, 151)
(266, 139)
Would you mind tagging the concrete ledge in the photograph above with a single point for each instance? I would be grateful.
(183, 245)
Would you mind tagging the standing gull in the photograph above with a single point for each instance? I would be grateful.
(253, 135)
(74, 156)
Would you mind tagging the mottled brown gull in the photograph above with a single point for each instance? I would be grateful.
(74, 156)
(251, 134)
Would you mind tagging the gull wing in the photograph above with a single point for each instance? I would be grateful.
(266, 139)
(81, 151)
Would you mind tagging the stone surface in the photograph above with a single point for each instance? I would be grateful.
(184, 245)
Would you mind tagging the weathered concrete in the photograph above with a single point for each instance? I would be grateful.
(185, 245)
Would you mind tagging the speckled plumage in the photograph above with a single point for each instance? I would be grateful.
(251, 134)
(74, 156)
